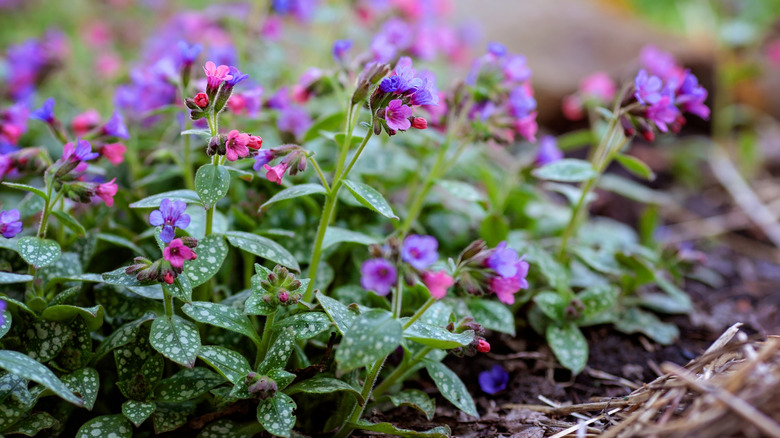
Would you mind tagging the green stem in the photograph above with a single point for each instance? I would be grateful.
(357, 412)
(419, 312)
(319, 173)
(210, 219)
(46, 211)
(401, 371)
(398, 298)
(168, 302)
(348, 129)
(262, 349)
(416, 206)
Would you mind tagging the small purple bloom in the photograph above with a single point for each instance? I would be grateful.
(408, 82)
(10, 225)
(237, 77)
(46, 112)
(340, 49)
(662, 112)
(294, 119)
(170, 215)
(188, 53)
(81, 152)
(516, 69)
(548, 151)
(420, 251)
(280, 100)
(503, 260)
(378, 275)
(3, 307)
(263, 157)
(691, 97)
(520, 102)
(397, 115)
(115, 127)
(390, 85)
(426, 94)
(496, 49)
(648, 88)
(659, 63)
(493, 380)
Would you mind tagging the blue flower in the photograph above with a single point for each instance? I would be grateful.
(171, 216)
(46, 112)
(493, 380)
(340, 49)
(115, 127)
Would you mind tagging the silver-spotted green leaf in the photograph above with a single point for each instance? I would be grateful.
(211, 252)
(373, 335)
(230, 364)
(114, 426)
(45, 339)
(26, 367)
(118, 277)
(187, 385)
(437, 315)
(276, 414)
(223, 316)
(10, 278)
(295, 192)
(305, 325)
(569, 345)
(451, 387)
(389, 429)
(38, 252)
(26, 188)
(188, 196)
(279, 353)
(15, 399)
(552, 304)
(334, 235)
(86, 383)
(93, 316)
(633, 320)
(228, 429)
(68, 296)
(255, 305)
(282, 378)
(69, 221)
(181, 288)
(137, 412)
(5, 322)
(416, 399)
(33, 424)
(437, 337)
(492, 315)
(176, 339)
(566, 170)
(324, 385)
(370, 198)
(556, 275)
(461, 190)
(168, 417)
(121, 336)
(262, 247)
(67, 265)
(211, 184)
(596, 299)
(338, 313)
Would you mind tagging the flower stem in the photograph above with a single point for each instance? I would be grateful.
(262, 349)
(167, 302)
(401, 371)
(357, 411)
(319, 173)
(419, 312)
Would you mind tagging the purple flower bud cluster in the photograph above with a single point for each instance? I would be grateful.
(281, 288)
(498, 270)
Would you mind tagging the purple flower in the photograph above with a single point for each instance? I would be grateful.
(691, 97)
(81, 152)
(46, 112)
(10, 225)
(506, 287)
(648, 88)
(548, 151)
(280, 99)
(378, 275)
(263, 157)
(659, 63)
(170, 215)
(496, 49)
(294, 119)
(340, 49)
(189, 52)
(3, 307)
(503, 260)
(115, 127)
(420, 251)
(397, 115)
(516, 69)
(662, 112)
(237, 77)
(426, 94)
(520, 102)
(493, 380)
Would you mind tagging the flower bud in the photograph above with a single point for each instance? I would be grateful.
(628, 127)
(483, 346)
(189, 241)
(283, 296)
(646, 132)
(168, 277)
(255, 142)
(472, 250)
(190, 103)
(197, 115)
(295, 285)
(201, 101)
(213, 146)
(419, 123)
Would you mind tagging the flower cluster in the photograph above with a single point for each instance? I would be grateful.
(71, 179)
(498, 270)
(281, 288)
(399, 94)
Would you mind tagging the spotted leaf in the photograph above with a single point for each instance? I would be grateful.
(122, 336)
(230, 364)
(373, 335)
(176, 339)
(262, 247)
(211, 252)
(212, 184)
(26, 367)
(221, 316)
(305, 325)
(153, 201)
(451, 387)
(137, 412)
(33, 424)
(416, 399)
(295, 192)
(437, 337)
(114, 426)
(370, 198)
(86, 383)
(187, 385)
(279, 353)
(38, 252)
(338, 312)
(324, 385)
(569, 345)
(45, 339)
(10, 278)
(276, 414)
(170, 417)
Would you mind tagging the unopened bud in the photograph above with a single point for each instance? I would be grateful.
(189, 241)
(483, 346)
(197, 115)
(628, 127)
(283, 296)
(473, 249)
(419, 123)
(168, 277)
(295, 285)
(201, 101)
(302, 163)
(190, 103)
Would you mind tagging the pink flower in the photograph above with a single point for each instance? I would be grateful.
(106, 192)
(527, 126)
(572, 108)
(419, 123)
(114, 152)
(275, 173)
(236, 145)
(506, 287)
(176, 253)
(202, 100)
(236, 103)
(215, 75)
(600, 86)
(255, 142)
(437, 283)
(397, 115)
(85, 122)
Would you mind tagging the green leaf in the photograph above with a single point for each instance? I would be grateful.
(494, 228)
(552, 304)
(633, 190)
(181, 288)
(279, 353)
(370, 198)
(168, 417)
(122, 336)
(228, 429)
(634, 320)
(281, 377)
(328, 122)
(554, 272)
(373, 335)
(462, 190)
(121, 241)
(636, 166)
(437, 337)
(138, 412)
(10, 278)
(262, 247)
(223, 316)
(389, 429)
(569, 346)
(295, 192)
(26, 367)
(33, 424)
(27, 188)
(93, 316)
(188, 196)
(45, 339)
(118, 277)
(38, 252)
(70, 222)
(203, 133)
(86, 383)
(324, 385)
(115, 426)
(255, 305)
(416, 399)
(176, 339)
(566, 170)
(240, 173)
(212, 184)
(187, 385)
(276, 414)
(338, 313)
(231, 365)
(492, 315)
(451, 387)
(334, 235)
(305, 325)
(598, 299)
(211, 252)
(5, 325)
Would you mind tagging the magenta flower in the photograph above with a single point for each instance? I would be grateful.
(599, 86)
(397, 115)
(691, 97)
(236, 145)
(437, 283)
(378, 275)
(215, 75)
(660, 63)
(276, 173)
(506, 287)
(516, 69)
(502, 260)
(663, 112)
(85, 122)
(170, 215)
(106, 192)
(527, 126)
(176, 253)
(493, 380)
(648, 88)
(114, 153)
(10, 225)
(46, 112)
(420, 251)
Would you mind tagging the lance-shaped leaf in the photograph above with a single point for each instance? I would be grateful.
(229, 429)
(416, 399)
(86, 383)
(276, 414)
(180, 289)
(187, 385)
(211, 252)
(569, 345)
(451, 387)
(338, 313)
(33, 424)
(334, 235)
(10, 278)
(370, 198)
(5, 325)
(230, 364)
(168, 416)
(279, 353)
(437, 337)
(118, 277)
(262, 247)
(324, 385)
(305, 325)
(121, 336)
(295, 192)
(176, 339)
(93, 316)
(373, 335)
(389, 429)
(138, 412)
(45, 339)
(281, 377)
(492, 315)
(30, 369)
(38, 252)
(566, 170)
(69, 221)
(223, 316)
(115, 426)
(153, 201)
(26, 188)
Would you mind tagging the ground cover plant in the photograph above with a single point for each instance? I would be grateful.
(270, 225)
